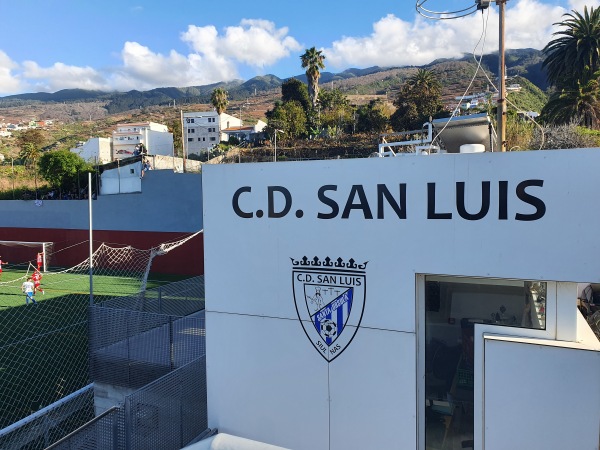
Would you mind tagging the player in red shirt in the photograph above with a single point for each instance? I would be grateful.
(37, 279)
(2, 262)
(39, 260)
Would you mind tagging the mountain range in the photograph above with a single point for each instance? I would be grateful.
(454, 74)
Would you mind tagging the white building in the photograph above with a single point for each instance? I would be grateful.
(95, 150)
(413, 302)
(243, 133)
(128, 136)
(203, 130)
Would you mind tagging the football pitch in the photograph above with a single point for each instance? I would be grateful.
(59, 284)
(44, 347)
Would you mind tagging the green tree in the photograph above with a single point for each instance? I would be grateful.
(61, 168)
(573, 67)
(313, 62)
(419, 98)
(575, 54)
(336, 112)
(579, 104)
(294, 89)
(31, 136)
(288, 117)
(29, 154)
(175, 128)
(219, 100)
(374, 117)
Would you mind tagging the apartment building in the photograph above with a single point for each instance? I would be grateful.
(203, 130)
(128, 137)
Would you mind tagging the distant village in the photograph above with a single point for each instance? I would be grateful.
(202, 132)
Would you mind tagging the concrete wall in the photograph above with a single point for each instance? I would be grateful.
(168, 208)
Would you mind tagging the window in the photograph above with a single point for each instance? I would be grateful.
(211, 119)
(203, 139)
(189, 120)
(213, 138)
(190, 139)
(212, 130)
(453, 308)
(191, 130)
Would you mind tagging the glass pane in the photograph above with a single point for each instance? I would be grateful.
(453, 306)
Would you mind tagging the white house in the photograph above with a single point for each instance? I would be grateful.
(95, 150)
(203, 130)
(243, 133)
(155, 137)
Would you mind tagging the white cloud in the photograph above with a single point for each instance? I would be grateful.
(395, 42)
(257, 43)
(143, 69)
(61, 76)
(9, 83)
(578, 5)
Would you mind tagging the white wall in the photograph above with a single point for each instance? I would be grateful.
(95, 150)
(267, 381)
(159, 143)
(540, 397)
(121, 180)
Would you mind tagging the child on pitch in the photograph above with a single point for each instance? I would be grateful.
(37, 279)
(28, 288)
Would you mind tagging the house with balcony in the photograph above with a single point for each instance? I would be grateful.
(128, 137)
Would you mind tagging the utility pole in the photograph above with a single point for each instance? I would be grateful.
(183, 139)
(501, 108)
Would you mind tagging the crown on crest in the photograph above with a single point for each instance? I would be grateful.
(328, 262)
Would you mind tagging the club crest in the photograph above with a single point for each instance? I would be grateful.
(330, 300)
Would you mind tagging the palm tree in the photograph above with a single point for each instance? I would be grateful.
(426, 82)
(30, 154)
(575, 53)
(580, 103)
(219, 100)
(312, 61)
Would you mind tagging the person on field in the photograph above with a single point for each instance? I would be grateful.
(28, 287)
(40, 260)
(37, 279)
(2, 262)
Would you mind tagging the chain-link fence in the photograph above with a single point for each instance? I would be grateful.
(169, 413)
(132, 341)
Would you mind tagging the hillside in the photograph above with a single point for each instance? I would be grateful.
(79, 104)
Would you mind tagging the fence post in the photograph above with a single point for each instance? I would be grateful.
(128, 423)
(115, 430)
(172, 357)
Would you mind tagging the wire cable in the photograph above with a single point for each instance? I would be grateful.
(481, 38)
(439, 15)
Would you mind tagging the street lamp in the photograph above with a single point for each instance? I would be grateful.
(275, 153)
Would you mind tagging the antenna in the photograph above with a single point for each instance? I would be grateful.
(481, 5)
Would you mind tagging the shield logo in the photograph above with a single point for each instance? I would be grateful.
(330, 300)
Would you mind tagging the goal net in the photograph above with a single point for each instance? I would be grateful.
(44, 345)
(23, 252)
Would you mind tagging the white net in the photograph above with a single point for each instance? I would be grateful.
(41, 259)
(44, 340)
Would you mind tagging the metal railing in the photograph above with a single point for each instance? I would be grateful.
(167, 414)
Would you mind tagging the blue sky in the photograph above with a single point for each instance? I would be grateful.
(49, 45)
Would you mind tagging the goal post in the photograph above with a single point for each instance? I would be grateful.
(43, 251)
